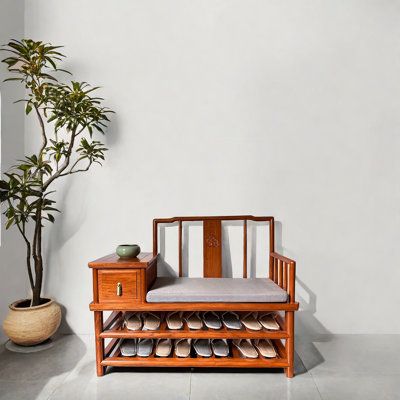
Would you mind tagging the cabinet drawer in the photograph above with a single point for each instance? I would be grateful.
(116, 286)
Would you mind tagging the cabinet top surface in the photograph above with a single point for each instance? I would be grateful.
(114, 261)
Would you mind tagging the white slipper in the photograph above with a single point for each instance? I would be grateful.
(250, 322)
(193, 320)
(151, 322)
(268, 321)
(183, 347)
(133, 321)
(265, 348)
(245, 348)
(174, 320)
(163, 347)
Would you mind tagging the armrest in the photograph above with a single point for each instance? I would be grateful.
(282, 270)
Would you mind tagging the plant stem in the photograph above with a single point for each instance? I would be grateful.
(44, 137)
(37, 257)
(28, 249)
(28, 255)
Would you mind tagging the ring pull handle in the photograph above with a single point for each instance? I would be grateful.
(119, 289)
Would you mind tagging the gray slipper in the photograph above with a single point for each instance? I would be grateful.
(128, 347)
(202, 347)
(231, 320)
(144, 347)
(220, 347)
(211, 320)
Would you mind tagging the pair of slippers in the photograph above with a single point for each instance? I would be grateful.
(182, 347)
(255, 322)
(229, 319)
(247, 350)
(175, 320)
(144, 347)
(135, 321)
(206, 347)
(141, 347)
(210, 319)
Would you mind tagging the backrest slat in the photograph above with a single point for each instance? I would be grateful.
(245, 248)
(180, 249)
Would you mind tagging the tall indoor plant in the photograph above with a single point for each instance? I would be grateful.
(68, 116)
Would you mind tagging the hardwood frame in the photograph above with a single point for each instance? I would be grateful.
(282, 271)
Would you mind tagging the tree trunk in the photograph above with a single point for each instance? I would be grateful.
(38, 283)
(38, 260)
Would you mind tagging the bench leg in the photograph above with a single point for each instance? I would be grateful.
(98, 327)
(289, 345)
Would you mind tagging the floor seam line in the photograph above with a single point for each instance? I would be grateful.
(190, 384)
(61, 383)
(316, 386)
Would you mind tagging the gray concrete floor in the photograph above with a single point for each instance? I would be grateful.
(328, 367)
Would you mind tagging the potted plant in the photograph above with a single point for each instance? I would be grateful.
(68, 117)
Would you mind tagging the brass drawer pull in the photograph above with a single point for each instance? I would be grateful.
(119, 289)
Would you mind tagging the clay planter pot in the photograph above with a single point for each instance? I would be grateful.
(28, 326)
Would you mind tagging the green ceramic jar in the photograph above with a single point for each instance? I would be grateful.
(128, 250)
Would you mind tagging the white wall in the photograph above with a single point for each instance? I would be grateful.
(224, 107)
(13, 278)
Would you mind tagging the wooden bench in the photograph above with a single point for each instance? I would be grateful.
(123, 285)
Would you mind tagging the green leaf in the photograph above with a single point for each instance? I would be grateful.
(28, 108)
(9, 222)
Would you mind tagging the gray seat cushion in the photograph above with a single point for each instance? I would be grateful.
(233, 290)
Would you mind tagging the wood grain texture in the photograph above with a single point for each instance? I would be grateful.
(128, 279)
(114, 261)
(99, 342)
(136, 306)
(180, 249)
(289, 345)
(212, 249)
(151, 276)
(245, 249)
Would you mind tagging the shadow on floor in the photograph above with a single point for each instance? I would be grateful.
(308, 329)
(29, 375)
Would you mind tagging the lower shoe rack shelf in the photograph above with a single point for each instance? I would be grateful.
(114, 332)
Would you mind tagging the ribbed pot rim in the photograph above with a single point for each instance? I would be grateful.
(13, 306)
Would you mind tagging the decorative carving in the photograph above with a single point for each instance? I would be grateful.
(212, 241)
